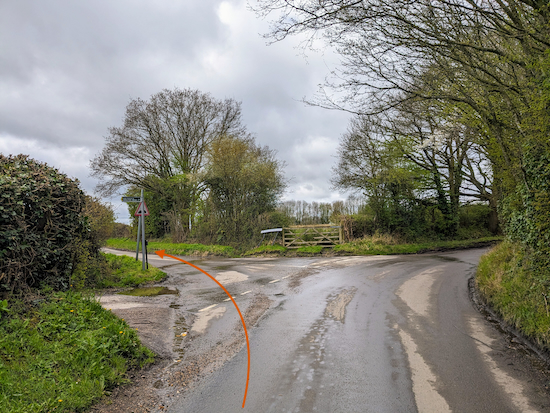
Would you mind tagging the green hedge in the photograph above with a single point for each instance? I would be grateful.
(40, 219)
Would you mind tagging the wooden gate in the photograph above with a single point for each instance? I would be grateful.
(305, 235)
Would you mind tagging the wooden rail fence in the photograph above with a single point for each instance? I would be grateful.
(307, 235)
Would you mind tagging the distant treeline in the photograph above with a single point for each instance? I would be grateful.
(310, 213)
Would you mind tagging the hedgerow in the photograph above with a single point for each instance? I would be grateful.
(40, 225)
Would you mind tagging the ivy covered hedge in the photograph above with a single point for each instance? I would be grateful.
(40, 224)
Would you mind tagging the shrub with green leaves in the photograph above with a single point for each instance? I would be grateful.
(40, 219)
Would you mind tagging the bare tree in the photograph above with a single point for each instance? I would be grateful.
(382, 154)
(484, 54)
(452, 153)
(162, 145)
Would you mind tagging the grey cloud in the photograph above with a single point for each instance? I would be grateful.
(74, 65)
(68, 70)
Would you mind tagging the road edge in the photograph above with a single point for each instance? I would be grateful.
(494, 318)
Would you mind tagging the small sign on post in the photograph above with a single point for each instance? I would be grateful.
(131, 199)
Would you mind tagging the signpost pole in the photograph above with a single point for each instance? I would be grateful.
(143, 248)
(138, 234)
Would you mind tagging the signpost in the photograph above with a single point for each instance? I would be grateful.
(141, 212)
(131, 199)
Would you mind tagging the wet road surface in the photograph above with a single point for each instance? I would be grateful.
(334, 334)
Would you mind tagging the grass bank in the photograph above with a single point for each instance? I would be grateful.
(507, 282)
(62, 353)
(124, 271)
(383, 246)
(267, 249)
(376, 245)
(174, 249)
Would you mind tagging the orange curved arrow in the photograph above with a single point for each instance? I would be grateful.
(163, 254)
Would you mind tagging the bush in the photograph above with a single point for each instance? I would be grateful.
(417, 223)
(526, 212)
(121, 230)
(40, 224)
(90, 265)
(474, 215)
(362, 225)
(101, 219)
(273, 219)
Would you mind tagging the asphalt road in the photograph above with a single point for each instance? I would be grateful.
(337, 334)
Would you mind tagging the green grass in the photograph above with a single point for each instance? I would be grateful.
(66, 352)
(507, 282)
(262, 249)
(379, 244)
(174, 249)
(310, 249)
(125, 271)
(149, 291)
(372, 246)
(63, 354)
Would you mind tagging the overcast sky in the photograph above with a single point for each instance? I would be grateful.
(69, 68)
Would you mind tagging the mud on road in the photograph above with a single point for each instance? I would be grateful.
(153, 387)
(176, 327)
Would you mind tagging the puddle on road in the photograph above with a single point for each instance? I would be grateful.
(308, 366)
(203, 319)
(446, 258)
(336, 306)
(149, 291)
(215, 296)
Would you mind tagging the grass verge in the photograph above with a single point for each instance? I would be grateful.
(63, 354)
(266, 249)
(126, 272)
(310, 249)
(174, 249)
(506, 281)
(374, 246)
